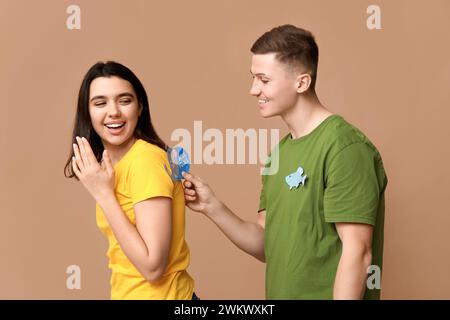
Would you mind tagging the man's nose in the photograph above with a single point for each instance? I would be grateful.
(255, 90)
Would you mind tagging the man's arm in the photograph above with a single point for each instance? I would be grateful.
(351, 275)
(248, 236)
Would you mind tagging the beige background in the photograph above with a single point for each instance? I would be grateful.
(193, 58)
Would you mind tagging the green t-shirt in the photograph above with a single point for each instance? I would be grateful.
(334, 174)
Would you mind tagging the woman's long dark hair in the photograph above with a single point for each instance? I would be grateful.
(83, 124)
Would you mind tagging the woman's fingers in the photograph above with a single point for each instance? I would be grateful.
(78, 159)
(89, 153)
(83, 152)
(108, 163)
(75, 168)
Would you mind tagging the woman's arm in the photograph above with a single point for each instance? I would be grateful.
(147, 244)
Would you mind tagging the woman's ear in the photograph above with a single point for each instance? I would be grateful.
(303, 82)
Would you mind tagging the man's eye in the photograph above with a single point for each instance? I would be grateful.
(264, 81)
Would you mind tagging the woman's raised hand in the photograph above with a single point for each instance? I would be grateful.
(97, 178)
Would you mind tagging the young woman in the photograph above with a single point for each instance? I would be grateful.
(120, 160)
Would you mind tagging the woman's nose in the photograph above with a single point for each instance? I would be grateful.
(113, 110)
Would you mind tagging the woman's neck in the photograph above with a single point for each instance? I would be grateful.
(118, 152)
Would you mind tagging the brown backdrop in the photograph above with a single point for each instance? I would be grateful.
(193, 58)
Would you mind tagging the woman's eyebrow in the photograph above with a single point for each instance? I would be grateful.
(98, 97)
(125, 94)
(120, 95)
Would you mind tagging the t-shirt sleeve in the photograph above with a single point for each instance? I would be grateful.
(264, 175)
(148, 178)
(262, 198)
(352, 190)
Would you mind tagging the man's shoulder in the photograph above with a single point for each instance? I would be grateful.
(334, 131)
(342, 134)
(331, 137)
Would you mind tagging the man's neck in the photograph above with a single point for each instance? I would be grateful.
(305, 116)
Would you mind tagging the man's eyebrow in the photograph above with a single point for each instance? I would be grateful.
(123, 94)
(260, 74)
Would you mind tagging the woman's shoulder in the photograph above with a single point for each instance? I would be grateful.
(147, 151)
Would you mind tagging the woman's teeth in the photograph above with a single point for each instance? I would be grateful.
(115, 125)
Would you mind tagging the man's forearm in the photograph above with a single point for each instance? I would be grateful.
(248, 236)
(351, 275)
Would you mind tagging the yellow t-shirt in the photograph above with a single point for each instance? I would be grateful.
(140, 175)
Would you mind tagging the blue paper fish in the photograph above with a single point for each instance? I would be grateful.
(295, 179)
(179, 162)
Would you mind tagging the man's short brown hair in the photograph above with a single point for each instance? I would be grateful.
(293, 46)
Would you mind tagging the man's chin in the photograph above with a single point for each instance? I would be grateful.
(267, 115)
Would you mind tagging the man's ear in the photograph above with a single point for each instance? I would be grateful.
(303, 82)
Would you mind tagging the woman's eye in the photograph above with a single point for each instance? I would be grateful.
(99, 104)
(125, 101)
(264, 81)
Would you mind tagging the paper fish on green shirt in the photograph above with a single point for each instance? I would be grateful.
(295, 179)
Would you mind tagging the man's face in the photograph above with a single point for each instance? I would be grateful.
(274, 85)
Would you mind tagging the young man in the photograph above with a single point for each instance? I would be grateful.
(321, 216)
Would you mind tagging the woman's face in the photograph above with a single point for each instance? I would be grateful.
(114, 110)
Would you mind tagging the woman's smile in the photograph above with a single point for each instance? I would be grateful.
(115, 128)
